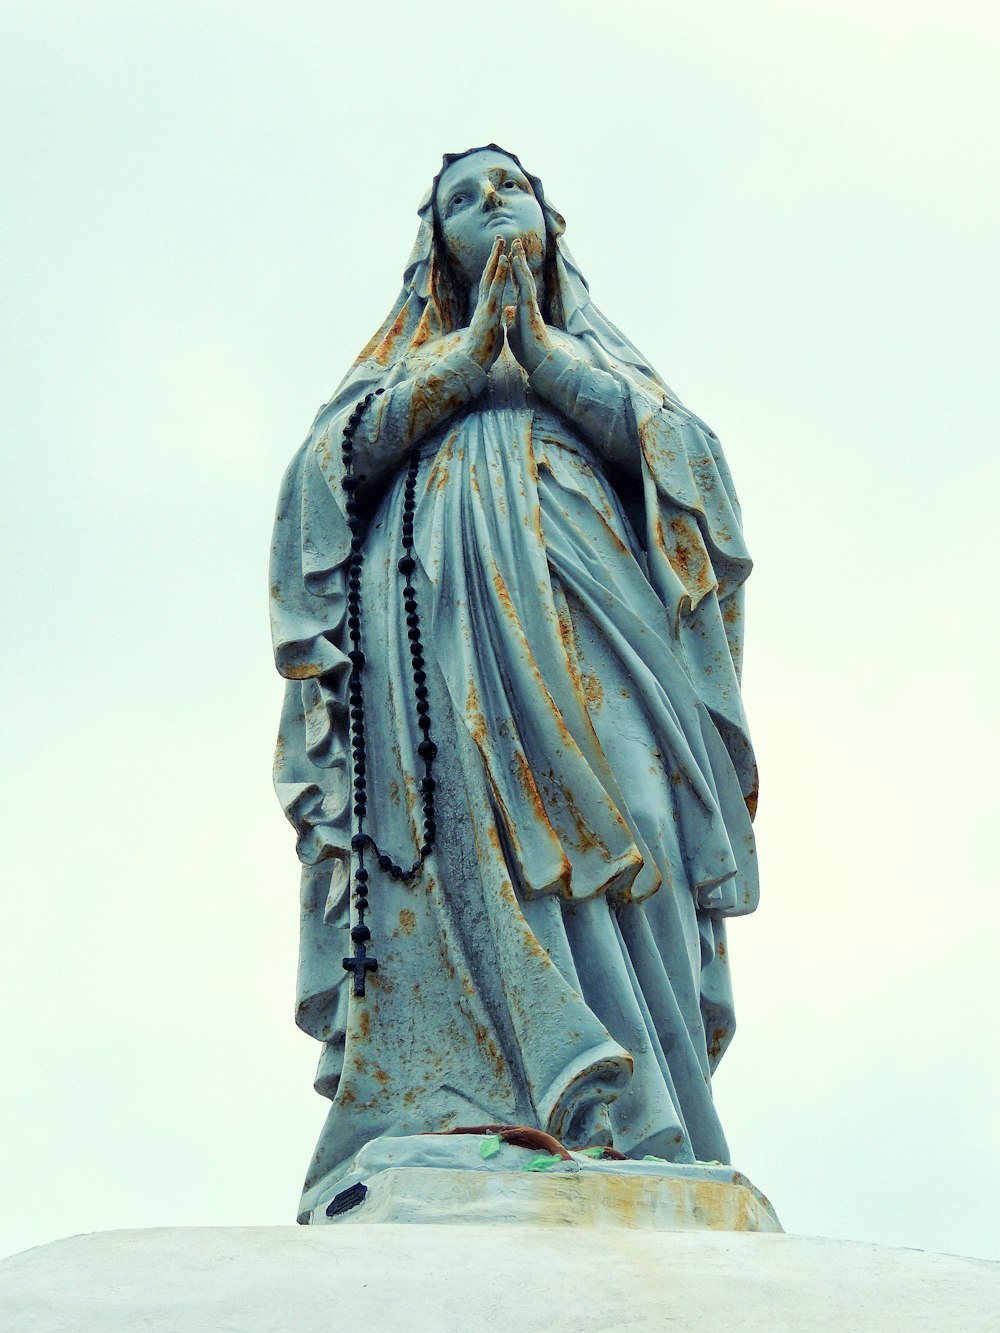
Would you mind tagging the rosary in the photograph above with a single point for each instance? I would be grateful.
(361, 962)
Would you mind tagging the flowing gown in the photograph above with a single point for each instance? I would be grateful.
(561, 958)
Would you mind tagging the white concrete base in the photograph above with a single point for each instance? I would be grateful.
(474, 1279)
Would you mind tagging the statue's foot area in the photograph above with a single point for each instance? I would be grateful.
(528, 1136)
(496, 1174)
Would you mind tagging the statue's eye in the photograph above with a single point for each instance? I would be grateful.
(454, 201)
(510, 185)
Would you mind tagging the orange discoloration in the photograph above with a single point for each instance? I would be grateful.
(586, 837)
(731, 612)
(407, 921)
(593, 691)
(533, 947)
(717, 1042)
(480, 731)
(485, 1042)
(383, 352)
(447, 966)
(688, 556)
(503, 594)
(364, 1023)
(751, 799)
(530, 786)
(430, 400)
(721, 951)
(439, 474)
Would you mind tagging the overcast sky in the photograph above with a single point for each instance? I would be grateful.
(791, 207)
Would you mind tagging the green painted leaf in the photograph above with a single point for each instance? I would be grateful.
(490, 1147)
(542, 1162)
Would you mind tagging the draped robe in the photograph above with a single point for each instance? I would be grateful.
(561, 958)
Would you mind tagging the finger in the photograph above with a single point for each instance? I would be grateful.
(496, 264)
(517, 274)
(499, 281)
(494, 259)
(523, 275)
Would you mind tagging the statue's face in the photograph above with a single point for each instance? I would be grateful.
(481, 197)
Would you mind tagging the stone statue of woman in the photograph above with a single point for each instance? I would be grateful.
(558, 958)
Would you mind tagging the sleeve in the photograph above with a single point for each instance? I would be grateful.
(595, 401)
(412, 407)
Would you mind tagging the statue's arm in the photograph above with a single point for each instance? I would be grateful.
(412, 408)
(444, 376)
(560, 372)
(595, 401)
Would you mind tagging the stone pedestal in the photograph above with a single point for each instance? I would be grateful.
(474, 1180)
(471, 1235)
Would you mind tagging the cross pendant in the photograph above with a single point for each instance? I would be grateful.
(359, 965)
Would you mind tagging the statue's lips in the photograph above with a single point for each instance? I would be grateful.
(499, 217)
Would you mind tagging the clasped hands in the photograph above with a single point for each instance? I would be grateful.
(526, 330)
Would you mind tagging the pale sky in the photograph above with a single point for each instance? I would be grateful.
(791, 207)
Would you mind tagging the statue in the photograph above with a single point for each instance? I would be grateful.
(507, 599)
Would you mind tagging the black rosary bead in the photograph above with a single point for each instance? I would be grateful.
(360, 963)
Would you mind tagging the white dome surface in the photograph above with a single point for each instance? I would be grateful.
(389, 1276)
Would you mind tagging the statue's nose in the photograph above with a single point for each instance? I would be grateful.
(490, 197)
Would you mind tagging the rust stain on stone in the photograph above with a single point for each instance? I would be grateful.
(717, 1042)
